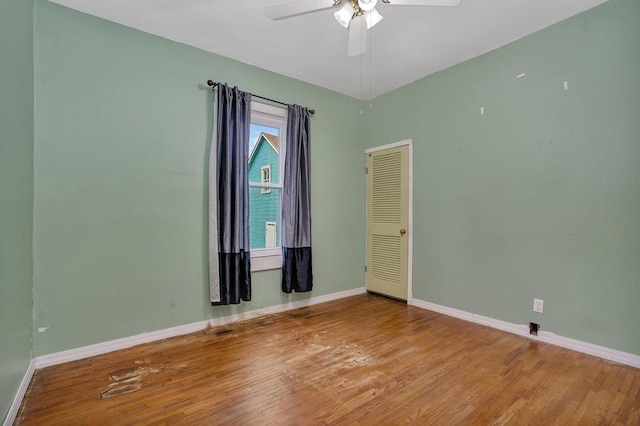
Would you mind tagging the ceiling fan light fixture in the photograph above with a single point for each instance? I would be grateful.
(367, 5)
(344, 15)
(372, 18)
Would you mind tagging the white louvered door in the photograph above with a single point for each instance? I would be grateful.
(388, 221)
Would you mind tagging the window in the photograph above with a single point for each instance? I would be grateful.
(266, 159)
(266, 178)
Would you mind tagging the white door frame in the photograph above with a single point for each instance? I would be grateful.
(408, 142)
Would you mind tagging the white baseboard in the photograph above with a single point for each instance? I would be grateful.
(543, 336)
(22, 390)
(115, 345)
(127, 342)
(215, 322)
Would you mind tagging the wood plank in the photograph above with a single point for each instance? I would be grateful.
(361, 360)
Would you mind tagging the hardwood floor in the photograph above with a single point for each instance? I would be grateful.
(363, 360)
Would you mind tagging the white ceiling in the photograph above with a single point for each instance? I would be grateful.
(410, 43)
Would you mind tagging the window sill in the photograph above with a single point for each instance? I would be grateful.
(266, 262)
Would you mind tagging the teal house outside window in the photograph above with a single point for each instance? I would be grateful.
(264, 204)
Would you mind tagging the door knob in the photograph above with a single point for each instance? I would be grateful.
(403, 231)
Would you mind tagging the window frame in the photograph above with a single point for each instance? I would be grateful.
(271, 116)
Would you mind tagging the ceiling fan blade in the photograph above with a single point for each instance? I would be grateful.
(297, 7)
(447, 3)
(357, 36)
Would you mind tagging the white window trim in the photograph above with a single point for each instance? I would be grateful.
(266, 262)
(269, 258)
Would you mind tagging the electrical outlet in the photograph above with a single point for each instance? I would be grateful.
(538, 305)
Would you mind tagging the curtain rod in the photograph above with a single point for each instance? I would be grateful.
(213, 85)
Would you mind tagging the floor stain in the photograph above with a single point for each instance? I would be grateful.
(126, 381)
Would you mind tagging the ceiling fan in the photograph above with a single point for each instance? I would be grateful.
(356, 15)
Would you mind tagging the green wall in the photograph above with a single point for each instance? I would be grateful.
(16, 194)
(540, 196)
(122, 136)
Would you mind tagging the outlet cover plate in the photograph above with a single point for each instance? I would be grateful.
(538, 305)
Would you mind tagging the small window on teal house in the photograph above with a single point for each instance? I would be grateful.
(266, 178)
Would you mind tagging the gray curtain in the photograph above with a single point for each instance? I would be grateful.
(232, 134)
(296, 204)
